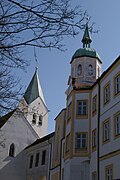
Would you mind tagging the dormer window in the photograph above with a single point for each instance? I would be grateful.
(79, 70)
(40, 120)
(34, 118)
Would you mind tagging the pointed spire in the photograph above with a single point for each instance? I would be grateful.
(34, 89)
(86, 40)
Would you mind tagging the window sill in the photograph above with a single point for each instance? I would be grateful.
(82, 116)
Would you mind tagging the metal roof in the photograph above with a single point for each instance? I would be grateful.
(34, 90)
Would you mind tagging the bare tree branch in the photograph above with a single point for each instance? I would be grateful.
(42, 24)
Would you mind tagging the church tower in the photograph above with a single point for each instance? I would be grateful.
(34, 107)
(85, 63)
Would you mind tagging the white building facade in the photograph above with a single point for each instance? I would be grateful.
(90, 146)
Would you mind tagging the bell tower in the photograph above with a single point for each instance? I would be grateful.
(34, 107)
(85, 63)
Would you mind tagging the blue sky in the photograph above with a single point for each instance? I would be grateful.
(54, 66)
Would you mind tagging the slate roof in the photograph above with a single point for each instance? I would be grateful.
(5, 118)
(41, 140)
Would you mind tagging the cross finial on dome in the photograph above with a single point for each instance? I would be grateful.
(86, 40)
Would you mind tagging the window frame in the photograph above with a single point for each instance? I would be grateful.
(94, 173)
(106, 140)
(115, 88)
(81, 148)
(82, 115)
(117, 114)
(67, 148)
(108, 167)
(94, 104)
(106, 99)
(94, 139)
(69, 112)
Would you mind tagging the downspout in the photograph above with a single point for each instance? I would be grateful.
(98, 133)
(61, 158)
(50, 155)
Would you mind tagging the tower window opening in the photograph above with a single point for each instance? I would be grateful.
(79, 70)
(90, 69)
(40, 120)
(12, 150)
(34, 118)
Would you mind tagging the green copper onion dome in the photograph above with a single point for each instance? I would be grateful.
(89, 52)
(86, 51)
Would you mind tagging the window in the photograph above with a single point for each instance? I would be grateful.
(67, 142)
(94, 138)
(43, 157)
(80, 141)
(40, 120)
(90, 69)
(31, 161)
(98, 72)
(79, 70)
(94, 175)
(106, 130)
(69, 111)
(117, 123)
(107, 93)
(117, 84)
(34, 118)
(94, 105)
(12, 150)
(37, 160)
(109, 172)
(82, 107)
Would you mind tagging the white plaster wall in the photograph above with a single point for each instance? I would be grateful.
(41, 170)
(39, 108)
(115, 161)
(67, 170)
(93, 163)
(85, 61)
(108, 111)
(113, 100)
(18, 131)
(77, 168)
(113, 144)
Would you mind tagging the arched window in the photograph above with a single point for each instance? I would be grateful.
(34, 118)
(12, 150)
(90, 69)
(79, 70)
(40, 120)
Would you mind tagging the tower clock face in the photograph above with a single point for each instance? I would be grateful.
(90, 70)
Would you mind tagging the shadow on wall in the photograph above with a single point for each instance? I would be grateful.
(15, 168)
